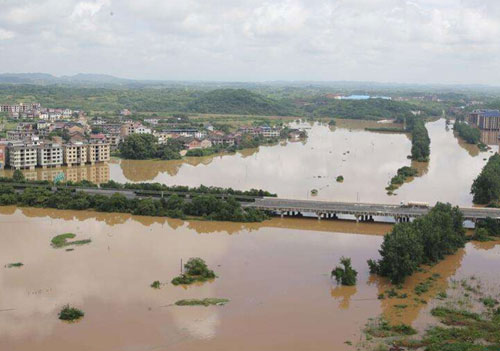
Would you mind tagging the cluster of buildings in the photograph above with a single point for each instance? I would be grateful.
(35, 111)
(45, 143)
(30, 154)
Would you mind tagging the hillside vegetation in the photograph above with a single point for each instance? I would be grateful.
(202, 100)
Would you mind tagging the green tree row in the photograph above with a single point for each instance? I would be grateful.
(427, 240)
(204, 206)
(486, 187)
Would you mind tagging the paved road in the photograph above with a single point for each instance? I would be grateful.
(389, 210)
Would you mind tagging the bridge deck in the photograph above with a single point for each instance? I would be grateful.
(359, 209)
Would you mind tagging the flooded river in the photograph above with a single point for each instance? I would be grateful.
(366, 160)
(276, 275)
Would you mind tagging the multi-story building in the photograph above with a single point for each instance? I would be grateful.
(98, 152)
(50, 155)
(75, 154)
(22, 155)
(485, 119)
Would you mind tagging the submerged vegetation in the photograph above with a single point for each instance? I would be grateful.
(468, 320)
(156, 284)
(345, 274)
(61, 240)
(486, 187)
(70, 313)
(420, 141)
(427, 240)
(205, 206)
(470, 134)
(403, 174)
(14, 265)
(195, 270)
(202, 302)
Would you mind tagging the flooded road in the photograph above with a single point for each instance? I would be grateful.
(275, 273)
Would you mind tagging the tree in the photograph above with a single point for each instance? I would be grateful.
(401, 253)
(345, 275)
(139, 146)
(18, 176)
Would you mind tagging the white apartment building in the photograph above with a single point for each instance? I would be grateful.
(22, 155)
(50, 155)
(75, 154)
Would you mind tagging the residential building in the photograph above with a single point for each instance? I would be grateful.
(50, 155)
(133, 128)
(485, 119)
(75, 154)
(98, 152)
(22, 155)
(193, 143)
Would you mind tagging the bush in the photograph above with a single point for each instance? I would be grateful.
(70, 313)
(195, 270)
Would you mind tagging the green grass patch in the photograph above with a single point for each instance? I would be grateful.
(489, 301)
(70, 313)
(202, 302)
(383, 329)
(61, 240)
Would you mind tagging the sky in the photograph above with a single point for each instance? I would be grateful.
(404, 41)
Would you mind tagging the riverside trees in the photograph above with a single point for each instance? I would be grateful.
(426, 240)
(486, 187)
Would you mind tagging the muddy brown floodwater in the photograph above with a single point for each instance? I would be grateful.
(275, 273)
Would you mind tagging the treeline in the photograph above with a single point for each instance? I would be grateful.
(145, 146)
(486, 187)
(373, 109)
(202, 189)
(470, 134)
(427, 240)
(202, 206)
(420, 141)
(402, 175)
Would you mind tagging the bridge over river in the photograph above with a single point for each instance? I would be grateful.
(360, 211)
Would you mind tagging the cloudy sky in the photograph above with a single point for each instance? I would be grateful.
(413, 41)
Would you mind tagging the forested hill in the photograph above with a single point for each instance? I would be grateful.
(203, 100)
(238, 101)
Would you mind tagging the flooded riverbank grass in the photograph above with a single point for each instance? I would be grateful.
(202, 302)
(467, 320)
(61, 240)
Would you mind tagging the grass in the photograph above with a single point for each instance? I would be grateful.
(70, 313)
(383, 329)
(489, 301)
(14, 265)
(202, 302)
(156, 284)
(62, 240)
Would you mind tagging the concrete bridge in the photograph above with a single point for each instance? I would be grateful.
(360, 211)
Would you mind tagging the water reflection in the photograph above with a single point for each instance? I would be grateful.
(98, 173)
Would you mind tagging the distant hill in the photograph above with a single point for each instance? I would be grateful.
(238, 101)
